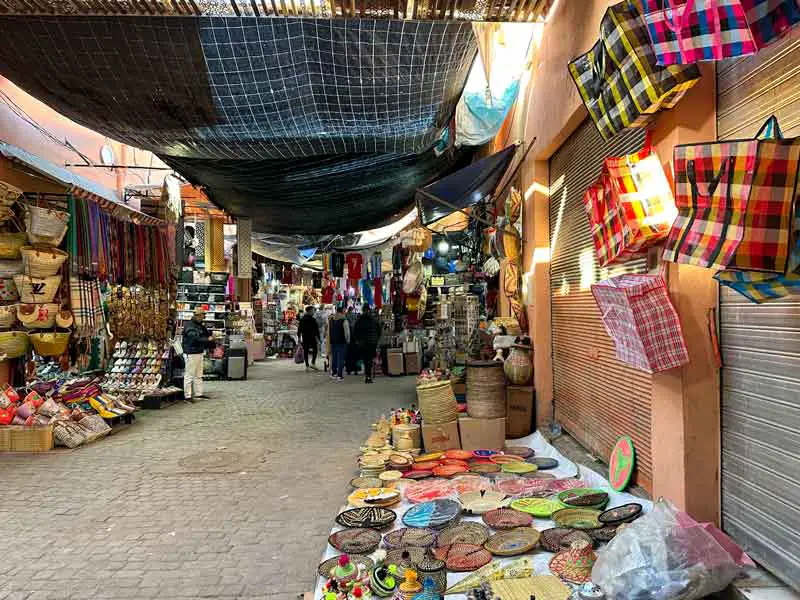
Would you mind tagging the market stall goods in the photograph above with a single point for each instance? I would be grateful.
(577, 518)
(425, 491)
(551, 538)
(513, 542)
(382, 581)
(605, 533)
(455, 454)
(471, 482)
(584, 497)
(518, 367)
(436, 514)
(468, 532)
(541, 508)
(506, 459)
(575, 564)
(486, 390)
(518, 467)
(362, 562)
(463, 557)
(418, 474)
(372, 517)
(576, 535)
(507, 518)
(410, 537)
(365, 482)
(374, 497)
(483, 468)
(543, 463)
(359, 540)
(521, 451)
(437, 402)
(435, 570)
(449, 470)
(621, 514)
(541, 587)
(480, 502)
(405, 558)
(538, 474)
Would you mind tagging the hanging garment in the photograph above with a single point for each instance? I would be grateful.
(288, 275)
(397, 258)
(87, 307)
(355, 264)
(688, 31)
(337, 264)
(378, 285)
(375, 265)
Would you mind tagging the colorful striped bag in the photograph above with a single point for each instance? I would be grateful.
(770, 19)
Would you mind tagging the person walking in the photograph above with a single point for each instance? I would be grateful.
(338, 337)
(196, 339)
(352, 354)
(308, 332)
(368, 335)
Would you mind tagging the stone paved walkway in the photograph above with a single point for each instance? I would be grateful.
(231, 497)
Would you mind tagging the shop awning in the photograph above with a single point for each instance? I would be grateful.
(464, 188)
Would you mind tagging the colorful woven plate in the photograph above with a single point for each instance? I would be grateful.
(575, 564)
(449, 470)
(469, 482)
(365, 482)
(518, 467)
(506, 518)
(408, 537)
(425, 491)
(463, 557)
(537, 475)
(428, 457)
(621, 463)
(504, 459)
(484, 453)
(483, 468)
(551, 538)
(513, 542)
(522, 451)
(576, 535)
(417, 474)
(468, 532)
(621, 514)
(577, 518)
(436, 514)
(542, 508)
(584, 498)
(373, 517)
(364, 562)
(543, 462)
(355, 541)
(374, 497)
(605, 533)
(405, 558)
(458, 454)
(480, 502)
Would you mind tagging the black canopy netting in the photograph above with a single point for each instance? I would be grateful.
(242, 105)
(465, 187)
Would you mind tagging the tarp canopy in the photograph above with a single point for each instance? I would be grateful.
(464, 188)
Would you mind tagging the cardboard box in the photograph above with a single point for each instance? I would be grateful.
(442, 436)
(478, 434)
(519, 410)
(395, 362)
(412, 363)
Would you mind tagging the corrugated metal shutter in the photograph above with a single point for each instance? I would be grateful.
(761, 347)
(597, 398)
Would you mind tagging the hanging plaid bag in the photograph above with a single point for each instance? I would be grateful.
(712, 187)
(619, 79)
(639, 316)
(770, 19)
(687, 31)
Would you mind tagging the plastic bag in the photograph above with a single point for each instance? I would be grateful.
(664, 555)
(299, 358)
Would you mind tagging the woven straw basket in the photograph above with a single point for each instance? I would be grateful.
(10, 244)
(437, 402)
(13, 343)
(8, 316)
(50, 343)
(35, 290)
(486, 390)
(45, 226)
(9, 268)
(37, 316)
(64, 318)
(42, 262)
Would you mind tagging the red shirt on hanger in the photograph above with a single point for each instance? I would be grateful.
(354, 265)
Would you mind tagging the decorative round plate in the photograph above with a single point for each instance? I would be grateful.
(374, 497)
(518, 467)
(522, 451)
(621, 463)
(577, 518)
(449, 470)
(551, 538)
(436, 514)
(469, 482)
(425, 491)
(428, 457)
(405, 557)
(453, 462)
(576, 535)
(410, 537)
(483, 468)
(537, 475)
(373, 517)
(584, 498)
(468, 532)
(463, 557)
(325, 567)
(621, 514)
(355, 541)
(507, 518)
(480, 502)
(511, 486)
(513, 542)
(388, 477)
(418, 474)
(400, 462)
(504, 459)
(563, 566)
(605, 533)
(458, 454)
(484, 453)
(543, 462)
(542, 508)
(568, 483)
(365, 482)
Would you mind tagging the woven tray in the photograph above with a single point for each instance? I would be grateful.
(543, 462)
(551, 538)
(365, 562)
(449, 470)
(468, 532)
(418, 474)
(604, 534)
(584, 498)
(436, 514)
(542, 508)
(466, 483)
(621, 514)
(373, 517)
(366, 482)
(409, 537)
(484, 468)
(513, 542)
(576, 535)
(519, 467)
(463, 557)
(522, 451)
(426, 491)
(541, 587)
(577, 518)
(355, 541)
(506, 518)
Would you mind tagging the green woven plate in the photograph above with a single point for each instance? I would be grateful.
(518, 467)
(538, 507)
(577, 518)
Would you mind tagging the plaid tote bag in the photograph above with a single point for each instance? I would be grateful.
(639, 316)
(770, 19)
(610, 232)
(688, 31)
(712, 187)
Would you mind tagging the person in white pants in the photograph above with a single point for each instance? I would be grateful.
(196, 339)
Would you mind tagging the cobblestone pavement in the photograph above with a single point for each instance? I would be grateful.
(232, 497)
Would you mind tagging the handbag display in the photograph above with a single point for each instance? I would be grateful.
(630, 207)
(687, 31)
(620, 80)
(639, 316)
(770, 20)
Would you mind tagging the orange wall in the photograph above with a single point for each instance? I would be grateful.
(14, 130)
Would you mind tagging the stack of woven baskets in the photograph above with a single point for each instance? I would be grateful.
(30, 279)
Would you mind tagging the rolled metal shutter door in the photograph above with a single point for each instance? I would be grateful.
(761, 346)
(597, 398)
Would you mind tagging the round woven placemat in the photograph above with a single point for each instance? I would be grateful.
(366, 482)
(543, 462)
(542, 508)
(325, 567)
(621, 514)
(507, 518)
(537, 475)
(513, 542)
(483, 468)
(604, 534)
(463, 557)
(576, 535)
(522, 451)
(355, 541)
(373, 517)
(468, 532)
(417, 537)
(436, 514)
(551, 538)
(577, 518)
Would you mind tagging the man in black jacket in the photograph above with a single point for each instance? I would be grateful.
(308, 332)
(196, 339)
(368, 335)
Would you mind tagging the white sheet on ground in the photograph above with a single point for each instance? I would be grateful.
(541, 558)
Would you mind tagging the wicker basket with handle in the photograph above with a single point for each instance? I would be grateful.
(8, 316)
(486, 390)
(50, 343)
(11, 242)
(37, 316)
(14, 344)
(33, 290)
(45, 226)
(42, 262)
